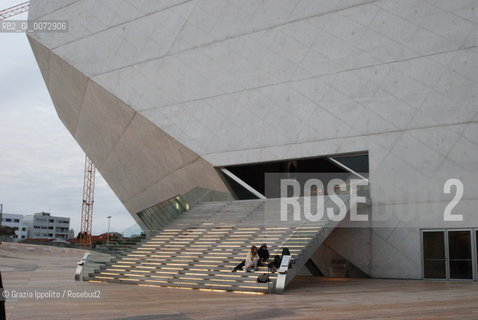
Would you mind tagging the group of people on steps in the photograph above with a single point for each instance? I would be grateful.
(258, 257)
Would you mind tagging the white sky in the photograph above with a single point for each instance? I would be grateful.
(41, 165)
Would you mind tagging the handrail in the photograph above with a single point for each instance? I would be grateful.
(280, 282)
(282, 274)
(81, 264)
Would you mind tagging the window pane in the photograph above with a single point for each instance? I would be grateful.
(434, 269)
(434, 245)
(461, 269)
(460, 244)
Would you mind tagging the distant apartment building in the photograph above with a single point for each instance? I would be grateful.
(42, 225)
(15, 221)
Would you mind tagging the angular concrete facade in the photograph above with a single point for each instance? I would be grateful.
(160, 93)
(142, 163)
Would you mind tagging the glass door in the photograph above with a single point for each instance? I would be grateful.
(460, 254)
(434, 256)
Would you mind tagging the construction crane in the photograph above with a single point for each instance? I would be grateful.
(87, 205)
(15, 10)
(89, 174)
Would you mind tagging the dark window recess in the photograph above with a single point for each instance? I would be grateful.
(434, 260)
(254, 174)
(358, 163)
(238, 191)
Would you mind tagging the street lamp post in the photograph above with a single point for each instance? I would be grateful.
(108, 235)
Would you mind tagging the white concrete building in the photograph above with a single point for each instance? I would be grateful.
(163, 95)
(42, 225)
(15, 221)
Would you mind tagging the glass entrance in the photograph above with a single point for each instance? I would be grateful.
(450, 254)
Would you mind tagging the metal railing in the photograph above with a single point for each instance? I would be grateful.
(79, 269)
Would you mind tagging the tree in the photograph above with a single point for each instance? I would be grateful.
(6, 231)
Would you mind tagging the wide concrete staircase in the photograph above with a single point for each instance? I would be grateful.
(199, 249)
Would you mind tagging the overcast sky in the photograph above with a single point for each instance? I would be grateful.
(41, 165)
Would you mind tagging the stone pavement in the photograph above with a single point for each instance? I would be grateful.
(49, 272)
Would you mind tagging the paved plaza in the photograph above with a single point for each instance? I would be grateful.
(51, 270)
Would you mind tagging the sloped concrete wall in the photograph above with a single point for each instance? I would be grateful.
(142, 164)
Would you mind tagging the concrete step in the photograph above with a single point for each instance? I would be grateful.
(199, 249)
(209, 286)
(224, 281)
(240, 276)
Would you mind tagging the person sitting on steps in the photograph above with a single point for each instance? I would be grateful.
(263, 254)
(275, 264)
(252, 259)
(250, 263)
